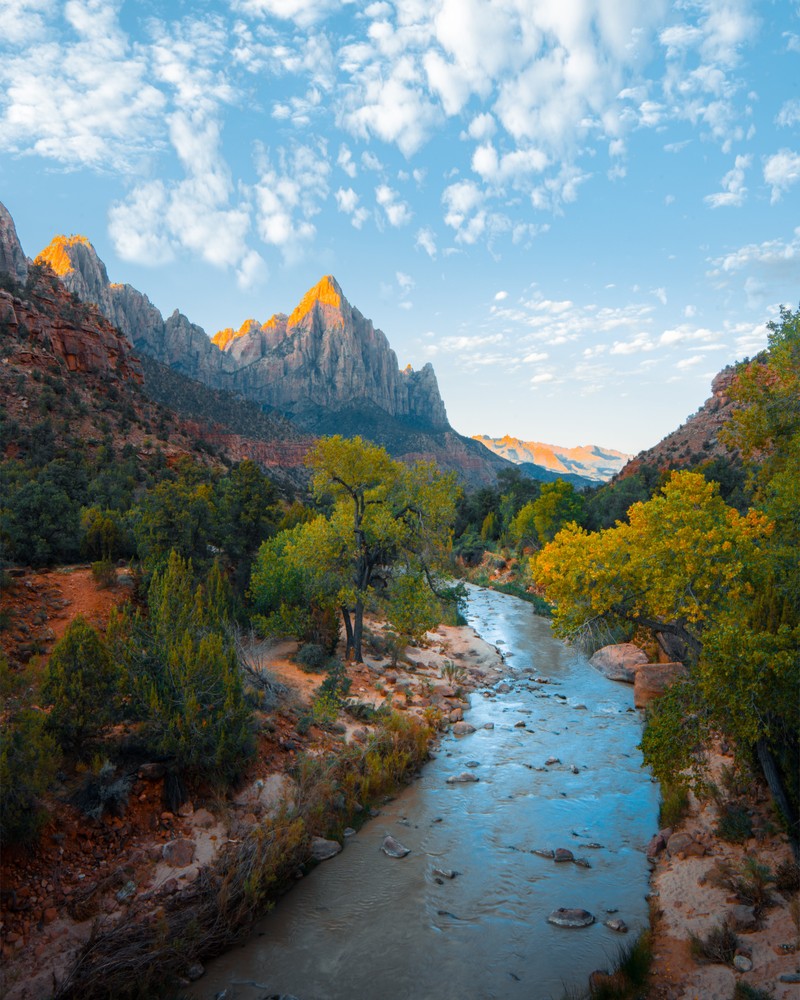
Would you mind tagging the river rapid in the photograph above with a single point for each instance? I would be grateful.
(368, 926)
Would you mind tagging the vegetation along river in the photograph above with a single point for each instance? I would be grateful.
(369, 926)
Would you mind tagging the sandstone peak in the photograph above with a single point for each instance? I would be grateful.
(224, 337)
(325, 293)
(60, 253)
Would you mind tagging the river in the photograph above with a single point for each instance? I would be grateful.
(368, 926)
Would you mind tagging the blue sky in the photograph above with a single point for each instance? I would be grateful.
(577, 210)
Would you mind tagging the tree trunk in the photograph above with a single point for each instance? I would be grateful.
(773, 776)
(358, 630)
(348, 631)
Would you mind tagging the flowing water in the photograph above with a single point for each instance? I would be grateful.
(368, 926)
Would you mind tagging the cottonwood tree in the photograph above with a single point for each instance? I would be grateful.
(384, 519)
(727, 585)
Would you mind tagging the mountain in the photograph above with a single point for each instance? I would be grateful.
(323, 354)
(588, 462)
(695, 441)
(324, 365)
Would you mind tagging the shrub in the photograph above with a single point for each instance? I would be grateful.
(104, 573)
(28, 762)
(80, 683)
(787, 878)
(744, 991)
(312, 657)
(719, 945)
(674, 805)
(734, 824)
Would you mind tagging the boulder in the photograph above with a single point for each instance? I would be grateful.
(741, 918)
(562, 854)
(322, 849)
(178, 853)
(684, 843)
(565, 917)
(393, 848)
(653, 679)
(619, 662)
(463, 729)
(464, 778)
(617, 924)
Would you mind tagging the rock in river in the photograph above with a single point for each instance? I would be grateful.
(393, 848)
(463, 778)
(322, 849)
(563, 917)
(463, 729)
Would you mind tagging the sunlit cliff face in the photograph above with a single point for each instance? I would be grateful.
(325, 293)
(55, 254)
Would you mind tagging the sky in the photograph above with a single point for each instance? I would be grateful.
(577, 210)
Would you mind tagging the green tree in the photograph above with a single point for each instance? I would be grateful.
(183, 674)
(382, 512)
(558, 504)
(29, 759)
(80, 683)
(522, 528)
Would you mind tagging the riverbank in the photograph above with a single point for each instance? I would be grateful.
(94, 888)
(702, 882)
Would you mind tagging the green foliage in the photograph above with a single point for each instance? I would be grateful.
(103, 573)
(183, 674)
(412, 608)
(80, 683)
(489, 527)
(674, 805)
(558, 504)
(384, 520)
(734, 823)
(29, 759)
(522, 529)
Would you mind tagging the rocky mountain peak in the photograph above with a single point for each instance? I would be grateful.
(75, 261)
(12, 258)
(327, 294)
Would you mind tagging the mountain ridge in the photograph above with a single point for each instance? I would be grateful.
(589, 462)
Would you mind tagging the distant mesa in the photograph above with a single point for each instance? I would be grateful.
(589, 462)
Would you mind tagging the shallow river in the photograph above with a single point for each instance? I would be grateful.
(364, 925)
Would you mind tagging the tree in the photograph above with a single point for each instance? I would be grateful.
(29, 759)
(557, 505)
(80, 683)
(522, 528)
(683, 557)
(183, 674)
(383, 519)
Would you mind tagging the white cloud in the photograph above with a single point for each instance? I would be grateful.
(542, 377)
(500, 296)
(347, 201)
(252, 271)
(641, 342)
(781, 171)
(302, 12)
(405, 281)
(774, 255)
(345, 161)
(288, 194)
(397, 211)
(82, 102)
(789, 113)
(734, 190)
(690, 362)
(426, 240)
(137, 227)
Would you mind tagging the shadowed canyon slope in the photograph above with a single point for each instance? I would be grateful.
(324, 365)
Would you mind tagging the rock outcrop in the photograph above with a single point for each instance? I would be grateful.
(653, 679)
(324, 354)
(12, 259)
(619, 661)
(697, 440)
